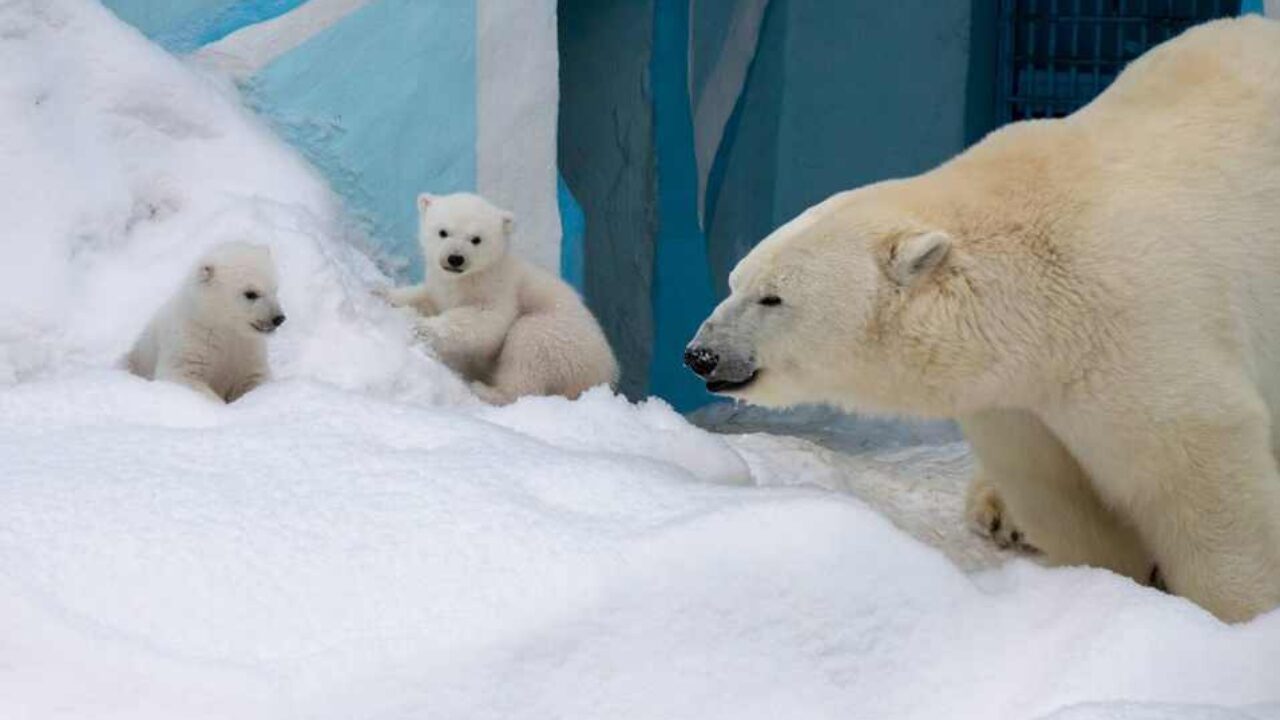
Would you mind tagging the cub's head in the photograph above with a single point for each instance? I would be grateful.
(235, 283)
(461, 233)
(847, 304)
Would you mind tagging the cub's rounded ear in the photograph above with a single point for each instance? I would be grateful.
(205, 274)
(508, 222)
(425, 200)
(915, 256)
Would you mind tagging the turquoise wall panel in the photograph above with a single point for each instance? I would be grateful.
(384, 103)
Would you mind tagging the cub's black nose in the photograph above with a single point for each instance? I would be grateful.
(701, 360)
(277, 320)
(455, 260)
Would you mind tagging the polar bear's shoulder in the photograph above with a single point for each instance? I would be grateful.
(1221, 64)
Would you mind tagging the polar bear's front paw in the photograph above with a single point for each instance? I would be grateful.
(490, 394)
(987, 515)
(428, 333)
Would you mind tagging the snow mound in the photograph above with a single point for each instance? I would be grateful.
(121, 167)
(1136, 711)
(316, 552)
(360, 539)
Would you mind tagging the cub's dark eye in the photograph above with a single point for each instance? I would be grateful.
(475, 240)
(250, 295)
(770, 300)
(444, 233)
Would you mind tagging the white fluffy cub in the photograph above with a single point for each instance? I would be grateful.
(211, 335)
(503, 324)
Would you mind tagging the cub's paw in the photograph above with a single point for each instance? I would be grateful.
(428, 333)
(987, 515)
(491, 394)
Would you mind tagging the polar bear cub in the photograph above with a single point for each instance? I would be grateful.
(211, 335)
(506, 326)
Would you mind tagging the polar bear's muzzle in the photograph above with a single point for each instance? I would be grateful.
(723, 371)
(722, 353)
(267, 326)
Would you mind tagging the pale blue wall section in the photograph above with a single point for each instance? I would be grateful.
(184, 25)
(384, 103)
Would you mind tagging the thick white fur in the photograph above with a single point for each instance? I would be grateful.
(505, 325)
(210, 336)
(1097, 299)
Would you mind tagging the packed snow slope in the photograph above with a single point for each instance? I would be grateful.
(362, 539)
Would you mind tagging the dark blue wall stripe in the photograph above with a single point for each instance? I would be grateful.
(682, 294)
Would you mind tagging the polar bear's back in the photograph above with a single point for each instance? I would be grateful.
(1225, 72)
(1183, 182)
(1187, 141)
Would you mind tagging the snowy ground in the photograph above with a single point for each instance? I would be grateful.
(363, 539)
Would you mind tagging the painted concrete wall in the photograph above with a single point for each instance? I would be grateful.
(839, 95)
(184, 25)
(741, 190)
(682, 294)
(335, 100)
(607, 158)
(389, 98)
(870, 91)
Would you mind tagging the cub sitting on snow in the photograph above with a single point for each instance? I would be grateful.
(211, 336)
(503, 324)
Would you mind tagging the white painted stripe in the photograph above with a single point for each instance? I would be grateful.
(246, 51)
(1271, 8)
(712, 110)
(517, 101)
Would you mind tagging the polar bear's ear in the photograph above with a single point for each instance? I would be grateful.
(508, 223)
(425, 200)
(915, 255)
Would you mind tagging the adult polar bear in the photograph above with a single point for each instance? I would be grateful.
(1096, 298)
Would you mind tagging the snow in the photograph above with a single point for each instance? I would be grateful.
(360, 538)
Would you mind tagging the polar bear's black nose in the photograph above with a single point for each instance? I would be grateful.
(701, 360)
(455, 260)
(278, 320)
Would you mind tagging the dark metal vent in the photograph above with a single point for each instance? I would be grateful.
(1057, 55)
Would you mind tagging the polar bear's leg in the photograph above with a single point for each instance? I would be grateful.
(531, 363)
(191, 379)
(184, 366)
(546, 354)
(986, 514)
(413, 296)
(250, 380)
(465, 337)
(1199, 481)
(1049, 497)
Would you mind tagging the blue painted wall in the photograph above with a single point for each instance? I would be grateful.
(184, 25)
(606, 153)
(871, 90)
(333, 98)
(839, 95)
(682, 294)
(573, 234)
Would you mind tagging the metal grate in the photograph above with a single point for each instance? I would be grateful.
(1057, 55)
